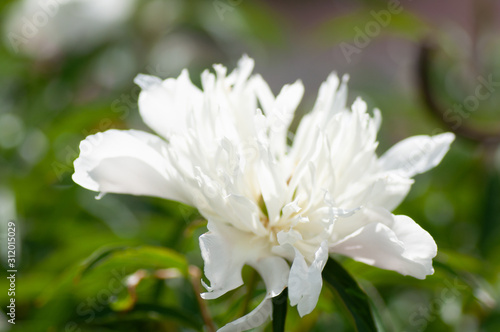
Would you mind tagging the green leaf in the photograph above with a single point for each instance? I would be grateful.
(144, 257)
(97, 257)
(145, 311)
(113, 262)
(279, 311)
(352, 296)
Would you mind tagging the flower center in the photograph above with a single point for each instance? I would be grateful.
(282, 224)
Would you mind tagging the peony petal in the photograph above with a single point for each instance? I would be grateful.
(272, 185)
(274, 272)
(225, 250)
(282, 114)
(239, 76)
(257, 317)
(389, 190)
(126, 162)
(305, 282)
(416, 154)
(164, 105)
(327, 95)
(398, 244)
(263, 93)
(419, 244)
(279, 111)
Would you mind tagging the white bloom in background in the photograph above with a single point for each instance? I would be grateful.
(45, 28)
(278, 208)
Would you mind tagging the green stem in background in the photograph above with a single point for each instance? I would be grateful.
(280, 307)
(195, 277)
(158, 289)
(252, 283)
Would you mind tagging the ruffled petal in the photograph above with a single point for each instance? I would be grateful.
(389, 190)
(255, 318)
(279, 111)
(274, 271)
(165, 105)
(305, 282)
(416, 154)
(126, 162)
(398, 244)
(225, 250)
(272, 184)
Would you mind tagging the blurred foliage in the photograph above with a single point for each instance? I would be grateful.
(75, 253)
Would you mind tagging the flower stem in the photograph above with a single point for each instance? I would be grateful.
(195, 276)
(279, 311)
(252, 283)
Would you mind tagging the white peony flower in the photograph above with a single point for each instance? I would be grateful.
(279, 208)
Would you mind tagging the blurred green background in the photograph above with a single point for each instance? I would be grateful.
(67, 69)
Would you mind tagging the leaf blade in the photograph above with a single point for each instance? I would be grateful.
(353, 297)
